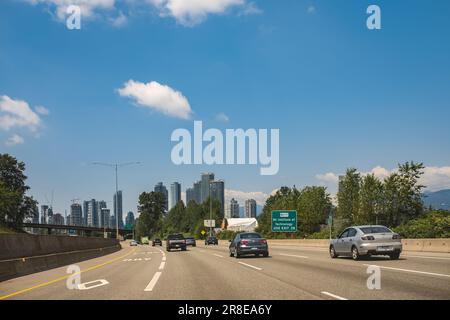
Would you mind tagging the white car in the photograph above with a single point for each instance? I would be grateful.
(133, 243)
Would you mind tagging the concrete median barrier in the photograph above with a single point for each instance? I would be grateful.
(427, 245)
(22, 254)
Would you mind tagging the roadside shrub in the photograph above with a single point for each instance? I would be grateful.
(434, 224)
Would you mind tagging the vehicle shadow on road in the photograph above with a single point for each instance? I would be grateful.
(377, 258)
(253, 257)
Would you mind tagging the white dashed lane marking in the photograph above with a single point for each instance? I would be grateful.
(293, 256)
(250, 266)
(333, 295)
(153, 282)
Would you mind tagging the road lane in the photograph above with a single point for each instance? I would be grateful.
(198, 275)
(207, 272)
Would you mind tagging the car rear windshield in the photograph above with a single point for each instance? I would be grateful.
(176, 237)
(251, 236)
(375, 230)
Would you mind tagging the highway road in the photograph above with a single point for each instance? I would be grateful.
(205, 273)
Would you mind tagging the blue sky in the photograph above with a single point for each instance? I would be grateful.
(341, 95)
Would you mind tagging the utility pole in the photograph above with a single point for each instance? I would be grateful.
(116, 166)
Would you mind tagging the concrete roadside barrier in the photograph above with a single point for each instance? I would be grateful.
(22, 254)
(414, 245)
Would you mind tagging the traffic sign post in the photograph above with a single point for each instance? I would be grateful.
(284, 221)
(330, 221)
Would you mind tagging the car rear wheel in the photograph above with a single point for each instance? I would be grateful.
(333, 253)
(355, 253)
(395, 256)
(168, 249)
(266, 254)
(231, 254)
(236, 254)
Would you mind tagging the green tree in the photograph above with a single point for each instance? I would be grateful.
(175, 221)
(371, 201)
(403, 194)
(349, 196)
(313, 207)
(151, 210)
(15, 205)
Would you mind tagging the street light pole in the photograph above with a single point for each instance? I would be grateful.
(117, 204)
(116, 166)
(210, 211)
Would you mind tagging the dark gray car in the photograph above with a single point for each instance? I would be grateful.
(248, 243)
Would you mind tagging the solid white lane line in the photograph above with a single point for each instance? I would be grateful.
(411, 271)
(162, 265)
(217, 255)
(293, 255)
(249, 265)
(333, 295)
(164, 258)
(152, 283)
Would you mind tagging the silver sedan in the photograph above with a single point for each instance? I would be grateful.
(360, 241)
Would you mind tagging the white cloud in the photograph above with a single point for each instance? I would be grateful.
(119, 21)
(192, 12)
(250, 8)
(158, 97)
(185, 12)
(241, 196)
(88, 7)
(328, 177)
(42, 110)
(434, 178)
(311, 9)
(222, 117)
(17, 113)
(15, 139)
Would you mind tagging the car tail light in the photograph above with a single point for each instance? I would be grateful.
(396, 237)
(244, 242)
(371, 238)
(263, 241)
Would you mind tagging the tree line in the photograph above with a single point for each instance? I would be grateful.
(395, 201)
(391, 202)
(313, 205)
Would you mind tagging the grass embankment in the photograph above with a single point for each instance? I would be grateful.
(5, 230)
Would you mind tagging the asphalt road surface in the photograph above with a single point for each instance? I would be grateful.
(203, 273)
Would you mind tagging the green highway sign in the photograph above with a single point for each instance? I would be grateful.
(284, 221)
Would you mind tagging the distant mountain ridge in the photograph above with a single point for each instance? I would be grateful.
(437, 200)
